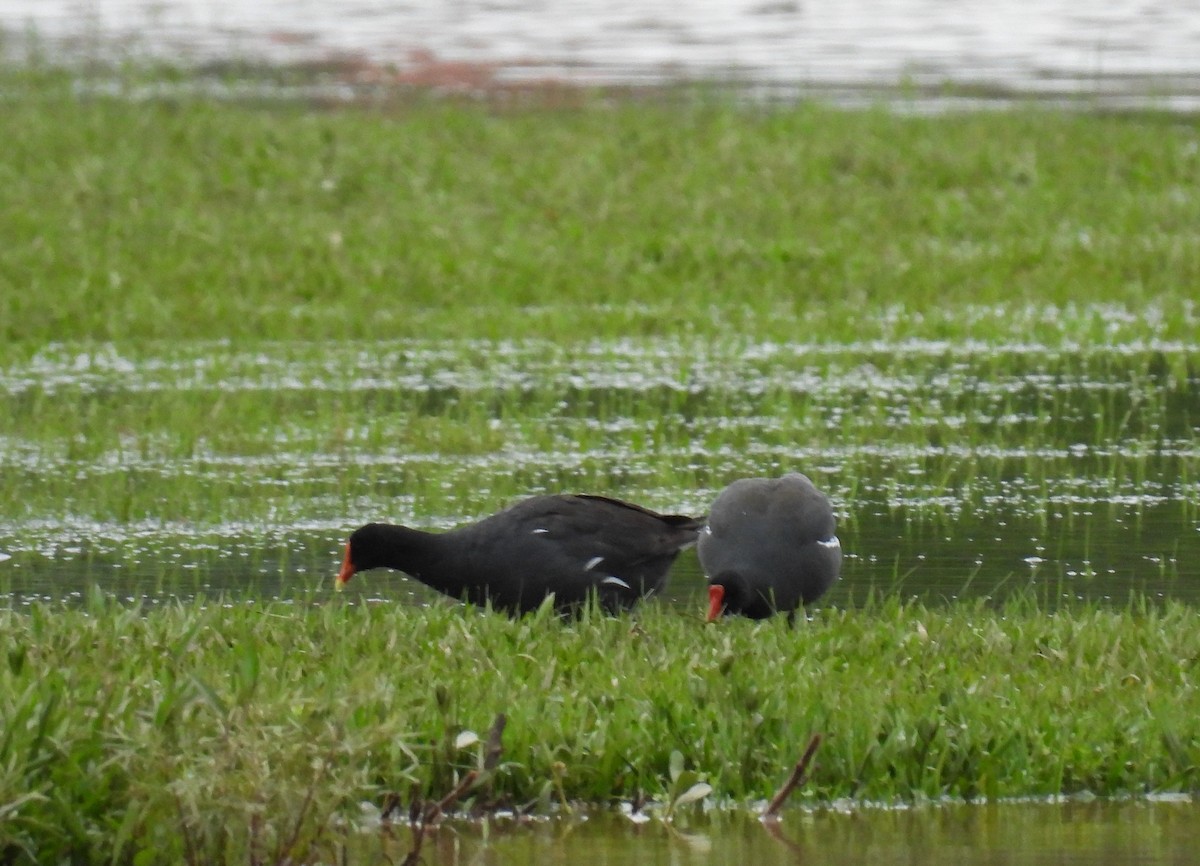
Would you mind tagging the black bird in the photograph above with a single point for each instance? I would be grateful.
(769, 546)
(568, 546)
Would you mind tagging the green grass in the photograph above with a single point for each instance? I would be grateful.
(234, 320)
(187, 218)
(228, 727)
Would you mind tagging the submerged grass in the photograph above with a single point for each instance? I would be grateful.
(215, 731)
(452, 429)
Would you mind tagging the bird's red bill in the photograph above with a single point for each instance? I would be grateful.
(347, 571)
(716, 601)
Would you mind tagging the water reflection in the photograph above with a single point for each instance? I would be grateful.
(957, 469)
(1030, 834)
(1104, 554)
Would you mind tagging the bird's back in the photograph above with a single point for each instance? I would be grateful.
(570, 545)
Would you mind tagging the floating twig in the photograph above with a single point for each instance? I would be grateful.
(422, 816)
(798, 777)
(433, 812)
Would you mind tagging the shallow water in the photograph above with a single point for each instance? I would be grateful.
(957, 471)
(1014, 834)
(1107, 555)
(1121, 50)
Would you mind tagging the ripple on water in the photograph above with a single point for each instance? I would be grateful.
(955, 467)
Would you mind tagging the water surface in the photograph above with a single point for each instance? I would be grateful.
(956, 470)
(1013, 834)
(1120, 50)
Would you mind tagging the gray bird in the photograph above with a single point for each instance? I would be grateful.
(770, 545)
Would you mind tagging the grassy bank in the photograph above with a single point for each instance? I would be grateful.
(176, 218)
(228, 727)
